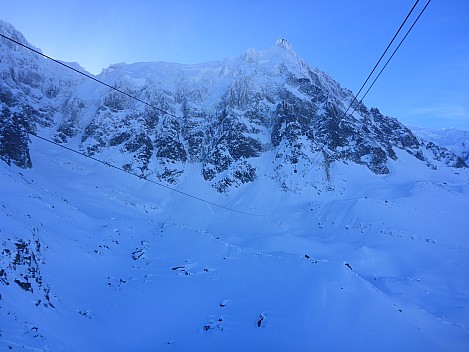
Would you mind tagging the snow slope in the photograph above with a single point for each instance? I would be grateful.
(378, 263)
(332, 233)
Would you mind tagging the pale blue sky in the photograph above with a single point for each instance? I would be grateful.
(426, 84)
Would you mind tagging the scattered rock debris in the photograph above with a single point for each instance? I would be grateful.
(261, 321)
(137, 254)
(85, 313)
(214, 325)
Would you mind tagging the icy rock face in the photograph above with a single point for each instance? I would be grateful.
(14, 139)
(21, 262)
(32, 93)
(223, 115)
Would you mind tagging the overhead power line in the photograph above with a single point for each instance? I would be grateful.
(142, 177)
(88, 76)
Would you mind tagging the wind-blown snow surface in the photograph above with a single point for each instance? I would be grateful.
(120, 264)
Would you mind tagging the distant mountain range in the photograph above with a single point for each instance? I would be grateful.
(453, 139)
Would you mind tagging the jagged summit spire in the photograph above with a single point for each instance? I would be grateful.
(284, 44)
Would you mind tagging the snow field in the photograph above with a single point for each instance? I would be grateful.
(377, 264)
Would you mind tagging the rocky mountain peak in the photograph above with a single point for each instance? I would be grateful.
(283, 43)
(266, 112)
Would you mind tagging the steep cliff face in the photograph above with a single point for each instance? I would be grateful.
(223, 116)
(35, 96)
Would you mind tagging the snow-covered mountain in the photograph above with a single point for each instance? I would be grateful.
(334, 232)
(222, 115)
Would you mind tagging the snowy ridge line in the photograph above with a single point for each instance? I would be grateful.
(89, 76)
(145, 178)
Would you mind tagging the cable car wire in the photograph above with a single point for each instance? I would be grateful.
(382, 55)
(379, 74)
(392, 55)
